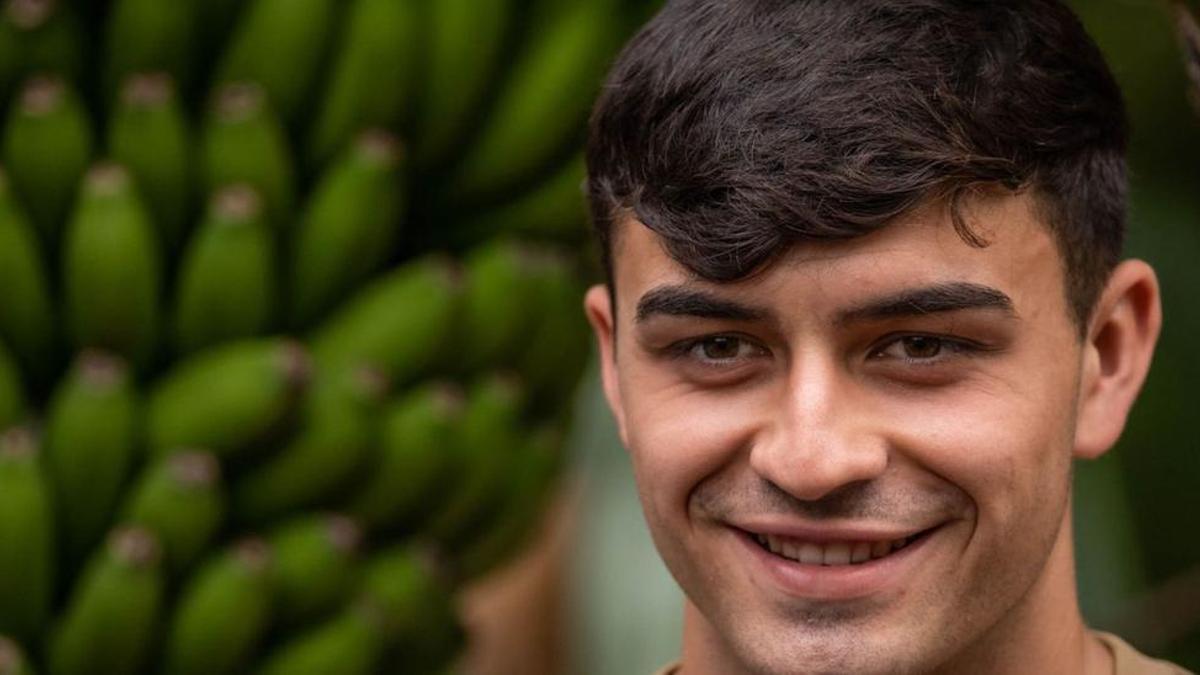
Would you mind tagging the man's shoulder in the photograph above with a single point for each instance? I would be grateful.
(1129, 661)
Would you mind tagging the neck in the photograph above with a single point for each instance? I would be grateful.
(1043, 633)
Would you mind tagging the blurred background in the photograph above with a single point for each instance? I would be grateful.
(293, 373)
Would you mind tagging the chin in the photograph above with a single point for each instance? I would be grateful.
(823, 649)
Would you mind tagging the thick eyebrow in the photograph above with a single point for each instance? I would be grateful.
(674, 300)
(946, 297)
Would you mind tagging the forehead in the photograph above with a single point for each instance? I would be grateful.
(1020, 258)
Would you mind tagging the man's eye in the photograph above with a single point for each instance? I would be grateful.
(919, 348)
(721, 348)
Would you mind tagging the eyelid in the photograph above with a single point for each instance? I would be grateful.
(684, 348)
(957, 346)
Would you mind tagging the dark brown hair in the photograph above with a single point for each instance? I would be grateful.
(735, 129)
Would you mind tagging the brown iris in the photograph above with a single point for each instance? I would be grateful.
(921, 347)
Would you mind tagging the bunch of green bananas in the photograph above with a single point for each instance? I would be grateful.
(289, 321)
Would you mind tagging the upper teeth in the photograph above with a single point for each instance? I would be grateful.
(830, 553)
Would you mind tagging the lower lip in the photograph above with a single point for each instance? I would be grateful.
(838, 582)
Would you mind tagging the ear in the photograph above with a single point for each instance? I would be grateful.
(597, 304)
(1116, 355)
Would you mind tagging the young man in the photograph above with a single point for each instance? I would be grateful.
(865, 307)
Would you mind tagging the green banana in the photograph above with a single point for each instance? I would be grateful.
(226, 286)
(553, 210)
(111, 616)
(112, 268)
(12, 394)
(49, 37)
(27, 560)
(27, 313)
(12, 658)
(416, 602)
(243, 141)
(464, 55)
(348, 227)
(227, 399)
(148, 135)
(557, 346)
(47, 147)
(351, 643)
(223, 613)
(528, 482)
(487, 443)
(179, 500)
(397, 324)
(90, 441)
(415, 458)
(545, 101)
(280, 44)
(372, 80)
(316, 566)
(496, 308)
(149, 35)
(330, 449)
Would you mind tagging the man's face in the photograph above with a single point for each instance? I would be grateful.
(857, 460)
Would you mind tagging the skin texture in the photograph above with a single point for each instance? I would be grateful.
(808, 400)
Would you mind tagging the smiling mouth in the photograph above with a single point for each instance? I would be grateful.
(832, 553)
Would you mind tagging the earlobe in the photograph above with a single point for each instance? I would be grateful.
(1117, 354)
(597, 304)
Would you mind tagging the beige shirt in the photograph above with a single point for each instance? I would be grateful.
(1127, 660)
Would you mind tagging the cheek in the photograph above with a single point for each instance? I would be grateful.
(678, 436)
(1007, 448)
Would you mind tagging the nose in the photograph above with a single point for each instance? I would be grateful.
(822, 436)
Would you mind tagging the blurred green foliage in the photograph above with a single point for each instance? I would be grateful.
(1136, 510)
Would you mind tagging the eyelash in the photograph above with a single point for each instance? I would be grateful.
(686, 349)
(955, 347)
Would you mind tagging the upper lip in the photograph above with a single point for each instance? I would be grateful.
(828, 532)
